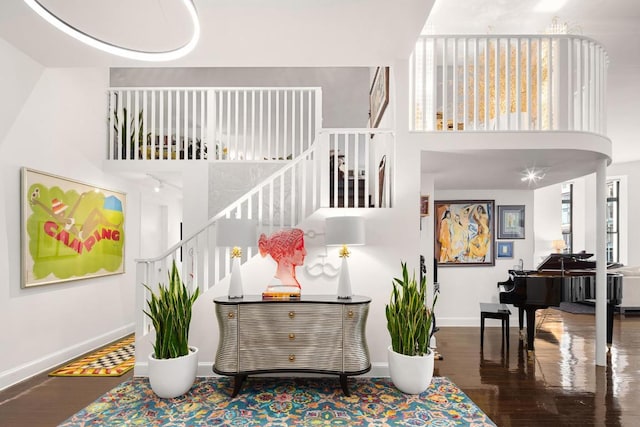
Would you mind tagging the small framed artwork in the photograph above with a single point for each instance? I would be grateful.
(464, 233)
(378, 96)
(70, 230)
(424, 205)
(504, 250)
(511, 222)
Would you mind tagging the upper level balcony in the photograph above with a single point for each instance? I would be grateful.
(492, 83)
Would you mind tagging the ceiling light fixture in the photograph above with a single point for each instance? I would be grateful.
(533, 175)
(160, 184)
(140, 55)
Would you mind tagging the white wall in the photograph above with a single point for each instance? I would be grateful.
(15, 91)
(230, 180)
(47, 325)
(548, 220)
(462, 288)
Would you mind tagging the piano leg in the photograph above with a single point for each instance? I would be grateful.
(531, 327)
(520, 322)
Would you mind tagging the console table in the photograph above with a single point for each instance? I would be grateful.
(315, 334)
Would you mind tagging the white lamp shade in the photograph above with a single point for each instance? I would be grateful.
(344, 230)
(236, 232)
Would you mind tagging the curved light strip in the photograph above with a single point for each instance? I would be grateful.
(141, 55)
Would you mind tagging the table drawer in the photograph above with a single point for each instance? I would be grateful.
(298, 317)
(324, 358)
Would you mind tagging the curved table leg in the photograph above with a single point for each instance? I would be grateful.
(345, 387)
(237, 384)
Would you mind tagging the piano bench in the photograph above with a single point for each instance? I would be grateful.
(495, 311)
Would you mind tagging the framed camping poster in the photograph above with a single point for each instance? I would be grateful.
(463, 232)
(70, 230)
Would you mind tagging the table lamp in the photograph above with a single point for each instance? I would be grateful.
(344, 231)
(237, 234)
(558, 245)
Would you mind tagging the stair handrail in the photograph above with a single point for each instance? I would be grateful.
(194, 274)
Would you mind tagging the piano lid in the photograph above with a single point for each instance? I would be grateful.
(564, 262)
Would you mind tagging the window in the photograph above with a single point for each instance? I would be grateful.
(567, 217)
(613, 221)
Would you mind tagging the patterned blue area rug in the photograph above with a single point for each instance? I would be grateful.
(281, 402)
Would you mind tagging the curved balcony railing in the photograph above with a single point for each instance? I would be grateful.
(508, 83)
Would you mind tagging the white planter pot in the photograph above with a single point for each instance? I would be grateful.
(410, 374)
(173, 377)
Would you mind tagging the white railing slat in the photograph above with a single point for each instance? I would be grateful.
(502, 83)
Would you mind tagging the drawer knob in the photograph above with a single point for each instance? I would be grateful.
(292, 336)
(231, 315)
(292, 358)
(292, 314)
(350, 314)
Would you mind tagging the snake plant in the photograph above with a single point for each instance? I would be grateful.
(170, 312)
(409, 321)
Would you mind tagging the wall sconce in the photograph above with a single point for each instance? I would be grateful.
(343, 231)
(236, 233)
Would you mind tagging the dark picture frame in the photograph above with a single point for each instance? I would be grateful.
(511, 221)
(378, 96)
(504, 249)
(424, 205)
(464, 232)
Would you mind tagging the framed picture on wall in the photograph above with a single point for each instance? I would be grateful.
(511, 222)
(70, 230)
(504, 250)
(378, 96)
(424, 205)
(463, 232)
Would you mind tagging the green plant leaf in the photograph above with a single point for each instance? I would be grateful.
(169, 310)
(409, 321)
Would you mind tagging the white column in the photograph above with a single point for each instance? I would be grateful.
(601, 264)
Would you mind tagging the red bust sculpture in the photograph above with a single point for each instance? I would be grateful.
(286, 247)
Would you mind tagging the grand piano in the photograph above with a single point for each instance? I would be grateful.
(559, 278)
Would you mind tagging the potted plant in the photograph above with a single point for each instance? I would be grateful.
(410, 324)
(173, 363)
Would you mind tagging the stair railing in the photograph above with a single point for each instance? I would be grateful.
(282, 200)
(209, 123)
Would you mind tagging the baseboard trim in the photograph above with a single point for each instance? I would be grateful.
(205, 370)
(27, 370)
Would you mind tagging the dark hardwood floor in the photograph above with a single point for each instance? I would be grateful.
(558, 386)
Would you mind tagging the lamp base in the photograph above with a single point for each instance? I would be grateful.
(235, 282)
(344, 281)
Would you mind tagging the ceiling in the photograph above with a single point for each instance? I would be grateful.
(235, 33)
(259, 33)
